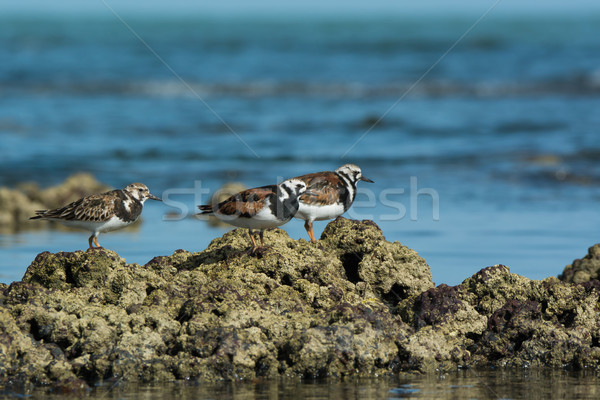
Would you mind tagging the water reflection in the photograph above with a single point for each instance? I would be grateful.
(468, 384)
(500, 385)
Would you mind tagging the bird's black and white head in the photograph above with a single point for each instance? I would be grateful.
(292, 188)
(352, 173)
(140, 192)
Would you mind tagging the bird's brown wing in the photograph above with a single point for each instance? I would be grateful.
(248, 202)
(96, 208)
(325, 186)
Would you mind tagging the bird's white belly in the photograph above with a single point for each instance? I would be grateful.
(263, 220)
(105, 226)
(311, 212)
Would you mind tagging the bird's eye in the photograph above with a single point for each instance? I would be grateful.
(141, 190)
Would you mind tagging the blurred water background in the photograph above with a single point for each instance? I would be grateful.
(503, 130)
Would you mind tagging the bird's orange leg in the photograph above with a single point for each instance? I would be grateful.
(254, 246)
(309, 229)
(262, 241)
(90, 241)
(96, 241)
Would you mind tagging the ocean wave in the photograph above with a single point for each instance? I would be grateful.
(579, 84)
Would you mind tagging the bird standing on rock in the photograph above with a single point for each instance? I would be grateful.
(103, 212)
(259, 208)
(329, 195)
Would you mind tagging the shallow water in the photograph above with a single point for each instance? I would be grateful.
(481, 385)
(503, 131)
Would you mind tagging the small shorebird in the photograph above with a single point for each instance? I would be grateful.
(259, 208)
(329, 195)
(103, 212)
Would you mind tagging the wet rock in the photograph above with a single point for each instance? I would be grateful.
(446, 326)
(496, 318)
(222, 313)
(78, 269)
(534, 323)
(436, 305)
(584, 269)
(390, 271)
(26, 360)
(352, 304)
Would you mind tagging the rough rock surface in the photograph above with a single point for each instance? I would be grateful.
(584, 269)
(352, 304)
(17, 205)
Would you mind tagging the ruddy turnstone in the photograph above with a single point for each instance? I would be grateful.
(329, 194)
(259, 208)
(103, 212)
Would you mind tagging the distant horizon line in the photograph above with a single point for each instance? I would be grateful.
(329, 14)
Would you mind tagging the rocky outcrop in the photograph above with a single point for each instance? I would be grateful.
(351, 304)
(584, 269)
(294, 309)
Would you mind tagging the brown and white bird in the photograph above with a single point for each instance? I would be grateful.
(329, 195)
(259, 208)
(103, 212)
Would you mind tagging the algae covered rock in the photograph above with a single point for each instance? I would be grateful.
(549, 323)
(352, 304)
(583, 269)
(78, 269)
(391, 271)
(534, 323)
(496, 318)
(294, 309)
(25, 361)
(445, 326)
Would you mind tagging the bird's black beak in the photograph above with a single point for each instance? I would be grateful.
(362, 178)
(153, 197)
(309, 193)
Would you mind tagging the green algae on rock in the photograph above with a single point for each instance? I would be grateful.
(545, 323)
(583, 269)
(220, 313)
(352, 304)
(496, 318)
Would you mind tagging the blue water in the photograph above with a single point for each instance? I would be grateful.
(500, 138)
